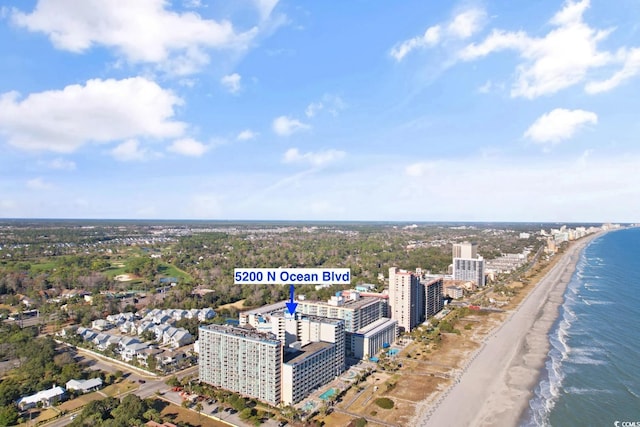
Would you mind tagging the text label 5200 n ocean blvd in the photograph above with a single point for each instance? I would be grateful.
(294, 276)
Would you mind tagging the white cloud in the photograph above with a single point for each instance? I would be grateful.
(7, 204)
(559, 124)
(320, 158)
(419, 169)
(331, 103)
(192, 4)
(231, 82)
(99, 111)
(467, 23)
(431, 37)
(246, 135)
(178, 41)
(188, 147)
(285, 126)
(462, 26)
(205, 206)
(265, 8)
(313, 108)
(130, 150)
(486, 88)
(560, 59)
(630, 68)
(61, 164)
(38, 184)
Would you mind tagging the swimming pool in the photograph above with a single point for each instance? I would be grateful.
(328, 394)
(393, 351)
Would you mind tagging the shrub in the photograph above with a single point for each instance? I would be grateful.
(384, 403)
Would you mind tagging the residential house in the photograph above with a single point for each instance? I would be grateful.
(145, 326)
(84, 385)
(206, 314)
(177, 337)
(101, 325)
(172, 357)
(101, 341)
(154, 352)
(161, 318)
(159, 331)
(132, 351)
(125, 341)
(45, 397)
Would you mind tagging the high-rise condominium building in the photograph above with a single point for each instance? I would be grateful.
(466, 250)
(406, 298)
(471, 270)
(356, 311)
(433, 297)
(241, 360)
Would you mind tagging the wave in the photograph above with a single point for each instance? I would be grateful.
(592, 348)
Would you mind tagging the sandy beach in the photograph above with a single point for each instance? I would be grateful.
(497, 383)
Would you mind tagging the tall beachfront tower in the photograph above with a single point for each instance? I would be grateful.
(465, 250)
(433, 297)
(471, 270)
(241, 360)
(406, 298)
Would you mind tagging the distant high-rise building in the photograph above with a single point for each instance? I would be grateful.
(469, 269)
(433, 297)
(468, 250)
(356, 311)
(406, 298)
(241, 360)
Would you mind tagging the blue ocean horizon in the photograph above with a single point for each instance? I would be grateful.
(592, 372)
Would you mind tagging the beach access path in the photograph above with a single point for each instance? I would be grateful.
(495, 386)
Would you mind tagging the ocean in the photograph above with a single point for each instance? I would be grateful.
(592, 373)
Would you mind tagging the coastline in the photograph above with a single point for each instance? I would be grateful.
(497, 383)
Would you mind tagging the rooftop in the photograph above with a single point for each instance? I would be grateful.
(299, 356)
(267, 308)
(347, 303)
(237, 331)
(376, 326)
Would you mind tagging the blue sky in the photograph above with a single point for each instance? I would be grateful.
(267, 109)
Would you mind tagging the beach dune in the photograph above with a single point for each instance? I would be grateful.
(496, 385)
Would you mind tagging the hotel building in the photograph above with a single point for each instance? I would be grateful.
(433, 297)
(406, 298)
(471, 270)
(241, 360)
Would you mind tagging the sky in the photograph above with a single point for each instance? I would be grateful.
(314, 110)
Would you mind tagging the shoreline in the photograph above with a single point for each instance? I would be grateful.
(499, 378)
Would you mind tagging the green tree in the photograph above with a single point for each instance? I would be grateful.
(8, 415)
(131, 408)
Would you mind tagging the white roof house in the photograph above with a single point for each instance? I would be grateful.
(47, 397)
(205, 314)
(84, 385)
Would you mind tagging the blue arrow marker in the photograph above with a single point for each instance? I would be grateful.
(291, 306)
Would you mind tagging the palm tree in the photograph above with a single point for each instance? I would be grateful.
(199, 409)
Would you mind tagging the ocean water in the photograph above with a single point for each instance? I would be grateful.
(592, 373)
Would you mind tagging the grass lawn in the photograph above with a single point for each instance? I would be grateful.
(113, 272)
(80, 401)
(41, 267)
(45, 414)
(177, 414)
(169, 270)
(119, 388)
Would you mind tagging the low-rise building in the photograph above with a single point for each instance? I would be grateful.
(454, 292)
(45, 397)
(84, 385)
